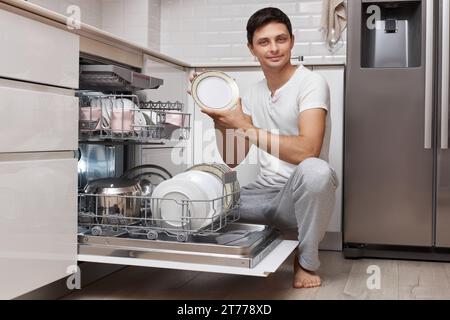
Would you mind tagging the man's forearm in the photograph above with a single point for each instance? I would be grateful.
(292, 149)
(232, 148)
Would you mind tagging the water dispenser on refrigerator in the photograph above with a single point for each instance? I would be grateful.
(391, 34)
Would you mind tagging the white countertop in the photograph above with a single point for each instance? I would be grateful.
(86, 30)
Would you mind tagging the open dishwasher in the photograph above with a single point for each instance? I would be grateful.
(128, 229)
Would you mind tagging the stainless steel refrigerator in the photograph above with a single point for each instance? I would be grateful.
(397, 157)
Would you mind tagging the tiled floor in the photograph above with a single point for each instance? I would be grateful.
(342, 279)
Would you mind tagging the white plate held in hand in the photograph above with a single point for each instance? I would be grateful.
(215, 90)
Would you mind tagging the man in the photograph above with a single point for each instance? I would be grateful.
(286, 117)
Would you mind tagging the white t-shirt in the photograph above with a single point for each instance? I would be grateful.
(279, 115)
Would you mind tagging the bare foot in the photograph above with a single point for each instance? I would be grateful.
(304, 278)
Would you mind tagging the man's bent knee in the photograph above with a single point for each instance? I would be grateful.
(316, 175)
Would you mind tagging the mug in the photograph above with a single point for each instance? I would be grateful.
(90, 118)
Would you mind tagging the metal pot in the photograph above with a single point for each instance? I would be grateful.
(116, 200)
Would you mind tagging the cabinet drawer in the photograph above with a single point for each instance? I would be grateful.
(36, 52)
(39, 222)
(32, 120)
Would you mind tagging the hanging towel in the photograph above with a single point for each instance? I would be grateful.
(334, 21)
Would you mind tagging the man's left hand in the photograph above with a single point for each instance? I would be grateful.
(230, 119)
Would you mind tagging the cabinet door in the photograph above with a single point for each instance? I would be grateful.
(36, 52)
(335, 78)
(37, 118)
(39, 221)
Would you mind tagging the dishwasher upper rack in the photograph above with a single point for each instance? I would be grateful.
(113, 215)
(114, 117)
(167, 106)
(171, 116)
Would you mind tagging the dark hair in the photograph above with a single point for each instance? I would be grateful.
(263, 17)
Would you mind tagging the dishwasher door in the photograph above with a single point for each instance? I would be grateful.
(245, 249)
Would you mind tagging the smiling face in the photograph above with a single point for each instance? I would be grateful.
(272, 45)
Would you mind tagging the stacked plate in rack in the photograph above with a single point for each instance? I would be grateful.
(194, 199)
(231, 189)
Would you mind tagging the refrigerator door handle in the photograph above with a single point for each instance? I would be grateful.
(445, 73)
(429, 74)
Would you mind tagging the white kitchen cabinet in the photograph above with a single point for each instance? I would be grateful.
(38, 169)
(37, 118)
(38, 217)
(36, 52)
(335, 77)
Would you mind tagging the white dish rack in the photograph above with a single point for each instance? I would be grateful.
(145, 123)
(97, 218)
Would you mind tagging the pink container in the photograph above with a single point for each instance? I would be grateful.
(89, 115)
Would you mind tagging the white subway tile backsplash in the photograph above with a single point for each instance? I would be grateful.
(193, 25)
(240, 50)
(286, 7)
(301, 49)
(219, 50)
(208, 37)
(220, 24)
(310, 6)
(234, 37)
(221, 36)
(135, 6)
(307, 35)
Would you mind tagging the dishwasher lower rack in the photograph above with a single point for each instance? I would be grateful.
(110, 226)
(109, 215)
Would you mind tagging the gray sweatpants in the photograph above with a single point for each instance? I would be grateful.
(304, 203)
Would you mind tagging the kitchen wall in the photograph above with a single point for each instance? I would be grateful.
(137, 21)
(202, 31)
(214, 30)
(91, 10)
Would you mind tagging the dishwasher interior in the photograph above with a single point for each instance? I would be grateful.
(118, 216)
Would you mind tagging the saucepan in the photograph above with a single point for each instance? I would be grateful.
(116, 200)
